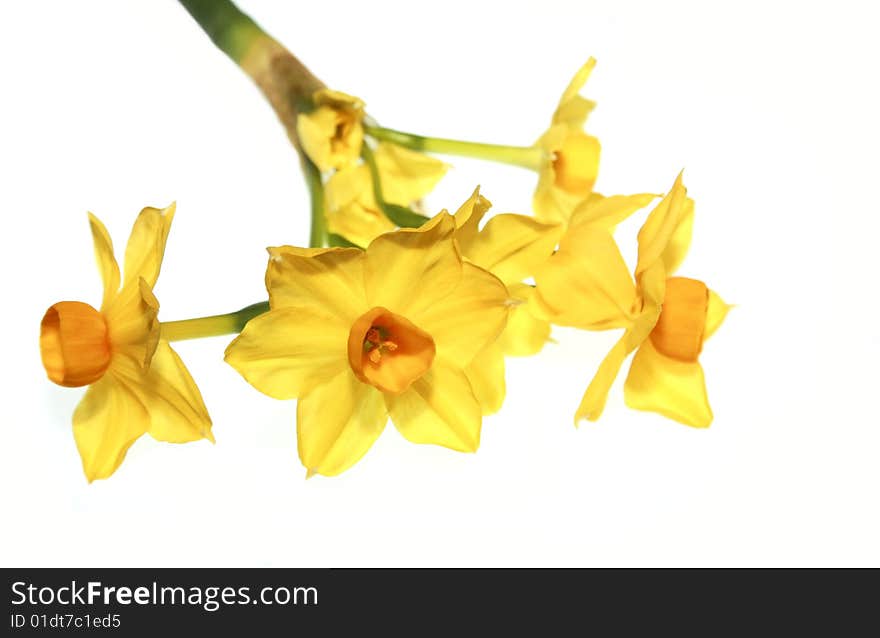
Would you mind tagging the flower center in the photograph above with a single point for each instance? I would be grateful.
(679, 331)
(376, 343)
(340, 140)
(577, 163)
(74, 344)
(388, 351)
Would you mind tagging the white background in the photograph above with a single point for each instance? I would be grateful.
(771, 108)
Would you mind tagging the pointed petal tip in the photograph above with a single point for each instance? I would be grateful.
(679, 182)
(169, 210)
(585, 417)
(697, 425)
(96, 224)
(310, 472)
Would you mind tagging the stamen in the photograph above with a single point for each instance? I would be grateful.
(377, 343)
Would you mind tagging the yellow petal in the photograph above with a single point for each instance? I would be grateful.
(680, 241)
(715, 314)
(173, 401)
(608, 212)
(105, 424)
(657, 233)
(348, 185)
(412, 268)
(574, 109)
(439, 408)
(586, 284)
(106, 261)
(512, 247)
(287, 352)
(407, 175)
(524, 334)
(337, 99)
(351, 208)
(132, 323)
(468, 319)
(328, 280)
(315, 129)
(486, 374)
(146, 244)
(652, 283)
(551, 204)
(594, 399)
(337, 422)
(358, 223)
(675, 389)
(468, 218)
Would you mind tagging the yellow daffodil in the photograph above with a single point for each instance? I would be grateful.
(666, 319)
(360, 335)
(511, 247)
(332, 133)
(567, 175)
(137, 383)
(406, 176)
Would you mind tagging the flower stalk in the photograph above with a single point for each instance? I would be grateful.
(400, 215)
(284, 81)
(213, 326)
(531, 157)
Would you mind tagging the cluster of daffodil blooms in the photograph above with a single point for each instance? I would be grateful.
(389, 313)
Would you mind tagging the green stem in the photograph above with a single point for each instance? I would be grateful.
(231, 30)
(400, 215)
(370, 161)
(530, 157)
(213, 326)
(285, 82)
(318, 234)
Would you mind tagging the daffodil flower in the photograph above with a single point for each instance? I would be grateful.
(571, 164)
(137, 383)
(666, 319)
(351, 208)
(564, 156)
(332, 133)
(360, 335)
(513, 248)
